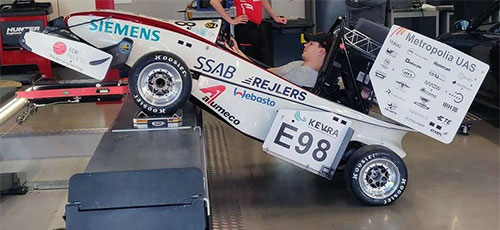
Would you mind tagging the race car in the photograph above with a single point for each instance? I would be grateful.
(172, 60)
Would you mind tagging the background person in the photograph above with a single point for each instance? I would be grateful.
(247, 30)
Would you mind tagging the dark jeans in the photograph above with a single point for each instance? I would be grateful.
(253, 41)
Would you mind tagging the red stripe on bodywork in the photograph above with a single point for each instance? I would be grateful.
(163, 25)
(140, 20)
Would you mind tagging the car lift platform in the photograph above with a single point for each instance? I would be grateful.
(143, 178)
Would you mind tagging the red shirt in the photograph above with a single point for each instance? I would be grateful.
(250, 8)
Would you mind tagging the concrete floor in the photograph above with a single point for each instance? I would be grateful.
(454, 186)
(52, 146)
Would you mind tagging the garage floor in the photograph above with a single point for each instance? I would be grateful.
(454, 186)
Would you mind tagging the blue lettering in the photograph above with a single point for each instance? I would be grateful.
(199, 60)
(287, 91)
(145, 34)
(209, 70)
(108, 28)
(229, 72)
(156, 35)
(218, 69)
(121, 30)
(256, 82)
(134, 31)
(100, 25)
(302, 96)
(93, 26)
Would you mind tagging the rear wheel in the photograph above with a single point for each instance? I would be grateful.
(160, 82)
(376, 175)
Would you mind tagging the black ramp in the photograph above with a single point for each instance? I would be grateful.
(110, 190)
(150, 218)
(148, 199)
(143, 179)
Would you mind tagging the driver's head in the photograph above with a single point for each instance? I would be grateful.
(317, 46)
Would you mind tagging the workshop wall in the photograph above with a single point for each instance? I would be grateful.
(327, 11)
(166, 9)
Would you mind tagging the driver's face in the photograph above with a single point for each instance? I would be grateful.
(311, 49)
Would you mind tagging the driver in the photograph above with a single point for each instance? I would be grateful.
(303, 73)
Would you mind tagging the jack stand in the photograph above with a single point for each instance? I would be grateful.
(143, 121)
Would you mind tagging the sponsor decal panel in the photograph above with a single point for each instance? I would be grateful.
(254, 97)
(275, 87)
(437, 82)
(214, 92)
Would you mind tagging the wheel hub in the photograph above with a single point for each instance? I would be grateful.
(379, 178)
(159, 84)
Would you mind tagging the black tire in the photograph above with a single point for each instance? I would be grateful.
(382, 168)
(160, 83)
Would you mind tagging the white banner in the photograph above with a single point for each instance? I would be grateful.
(311, 140)
(424, 84)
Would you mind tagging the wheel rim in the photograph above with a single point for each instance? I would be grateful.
(159, 84)
(379, 178)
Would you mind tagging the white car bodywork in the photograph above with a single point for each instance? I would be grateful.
(245, 95)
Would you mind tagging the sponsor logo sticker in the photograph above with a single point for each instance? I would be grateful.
(59, 48)
(214, 92)
(211, 25)
(254, 97)
(212, 67)
(274, 87)
(450, 107)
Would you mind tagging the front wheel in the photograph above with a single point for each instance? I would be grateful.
(160, 83)
(376, 175)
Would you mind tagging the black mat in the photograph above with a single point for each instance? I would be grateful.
(25, 74)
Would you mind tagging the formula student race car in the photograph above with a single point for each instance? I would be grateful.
(173, 60)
